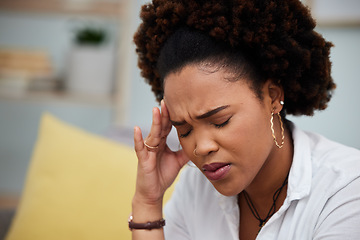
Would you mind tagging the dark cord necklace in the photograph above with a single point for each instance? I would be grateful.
(272, 210)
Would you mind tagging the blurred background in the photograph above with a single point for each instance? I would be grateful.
(76, 60)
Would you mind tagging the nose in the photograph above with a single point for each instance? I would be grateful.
(205, 144)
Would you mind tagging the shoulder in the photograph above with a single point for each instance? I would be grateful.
(326, 150)
(334, 158)
(327, 156)
(333, 168)
(321, 167)
(325, 183)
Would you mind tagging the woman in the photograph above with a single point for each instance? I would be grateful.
(226, 74)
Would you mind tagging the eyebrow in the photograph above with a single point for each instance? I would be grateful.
(202, 116)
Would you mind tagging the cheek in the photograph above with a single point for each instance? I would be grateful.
(249, 135)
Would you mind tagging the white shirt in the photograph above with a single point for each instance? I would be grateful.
(323, 199)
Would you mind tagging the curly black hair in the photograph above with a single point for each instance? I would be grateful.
(276, 36)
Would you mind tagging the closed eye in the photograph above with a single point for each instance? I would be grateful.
(185, 134)
(222, 124)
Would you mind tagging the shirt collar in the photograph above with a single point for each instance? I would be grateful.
(300, 176)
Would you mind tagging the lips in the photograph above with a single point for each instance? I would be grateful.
(216, 171)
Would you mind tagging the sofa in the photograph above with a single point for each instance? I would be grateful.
(78, 186)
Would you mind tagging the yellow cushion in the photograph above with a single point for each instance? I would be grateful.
(79, 186)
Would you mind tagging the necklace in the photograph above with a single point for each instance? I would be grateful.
(272, 210)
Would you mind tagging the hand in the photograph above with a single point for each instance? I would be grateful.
(158, 165)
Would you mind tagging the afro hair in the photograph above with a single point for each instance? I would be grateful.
(277, 35)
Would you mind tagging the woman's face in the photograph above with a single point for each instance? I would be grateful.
(227, 124)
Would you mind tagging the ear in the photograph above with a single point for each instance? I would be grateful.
(276, 94)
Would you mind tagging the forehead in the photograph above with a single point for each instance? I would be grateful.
(195, 82)
(195, 90)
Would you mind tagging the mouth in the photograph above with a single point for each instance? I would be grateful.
(216, 171)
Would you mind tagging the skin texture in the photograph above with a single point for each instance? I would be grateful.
(237, 133)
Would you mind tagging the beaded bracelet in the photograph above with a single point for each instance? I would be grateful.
(148, 226)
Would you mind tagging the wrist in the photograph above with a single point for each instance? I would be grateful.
(145, 211)
(152, 202)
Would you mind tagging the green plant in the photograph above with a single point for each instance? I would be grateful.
(91, 36)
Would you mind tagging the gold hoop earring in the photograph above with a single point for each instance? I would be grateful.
(273, 132)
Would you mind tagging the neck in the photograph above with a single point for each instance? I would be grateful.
(272, 174)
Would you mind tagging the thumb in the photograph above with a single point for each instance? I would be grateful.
(182, 158)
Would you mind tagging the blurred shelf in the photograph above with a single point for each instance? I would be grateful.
(58, 97)
(102, 8)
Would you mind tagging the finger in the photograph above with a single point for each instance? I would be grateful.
(165, 120)
(154, 137)
(139, 146)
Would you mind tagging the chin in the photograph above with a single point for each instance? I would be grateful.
(226, 191)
